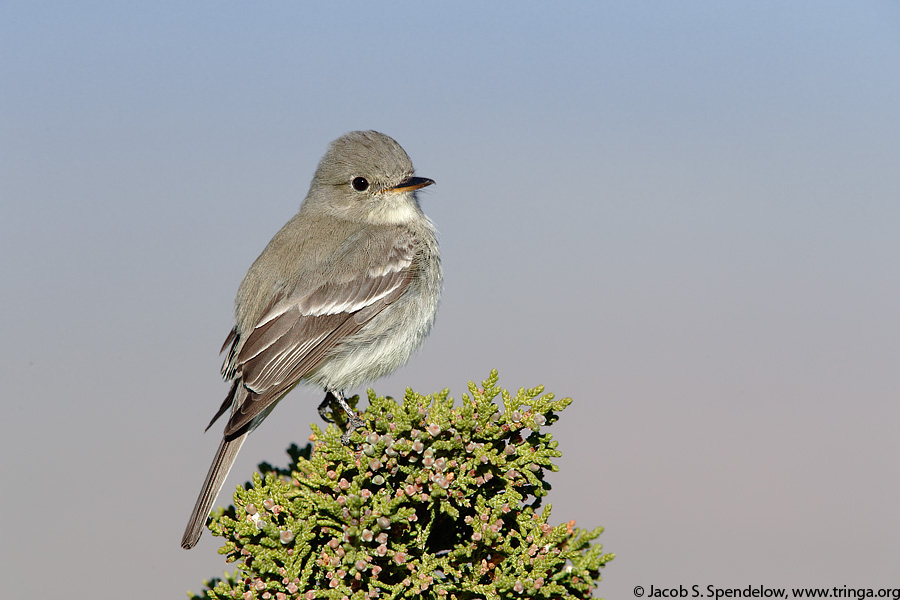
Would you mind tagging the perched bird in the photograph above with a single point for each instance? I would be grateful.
(342, 295)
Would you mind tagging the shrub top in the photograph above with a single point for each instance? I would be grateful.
(432, 500)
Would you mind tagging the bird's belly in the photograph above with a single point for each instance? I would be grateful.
(383, 345)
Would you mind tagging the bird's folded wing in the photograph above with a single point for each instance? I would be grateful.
(297, 333)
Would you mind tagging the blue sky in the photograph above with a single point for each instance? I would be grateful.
(683, 215)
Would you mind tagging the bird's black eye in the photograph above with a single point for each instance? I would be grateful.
(360, 184)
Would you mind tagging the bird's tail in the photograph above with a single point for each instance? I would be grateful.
(215, 478)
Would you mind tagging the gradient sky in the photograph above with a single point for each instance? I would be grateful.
(686, 216)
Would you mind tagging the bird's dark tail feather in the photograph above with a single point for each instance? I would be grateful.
(215, 478)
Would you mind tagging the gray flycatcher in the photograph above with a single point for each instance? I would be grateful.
(342, 295)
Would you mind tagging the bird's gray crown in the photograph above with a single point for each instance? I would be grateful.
(369, 154)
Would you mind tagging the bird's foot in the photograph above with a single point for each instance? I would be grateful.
(327, 403)
(354, 421)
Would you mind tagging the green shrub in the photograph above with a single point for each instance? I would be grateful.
(432, 501)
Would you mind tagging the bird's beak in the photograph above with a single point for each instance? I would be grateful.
(410, 183)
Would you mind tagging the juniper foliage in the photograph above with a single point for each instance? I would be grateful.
(432, 501)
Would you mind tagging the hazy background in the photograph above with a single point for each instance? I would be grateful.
(684, 215)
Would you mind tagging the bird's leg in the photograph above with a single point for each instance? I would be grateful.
(353, 420)
(327, 403)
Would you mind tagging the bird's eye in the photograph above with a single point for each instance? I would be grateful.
(360, 184)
